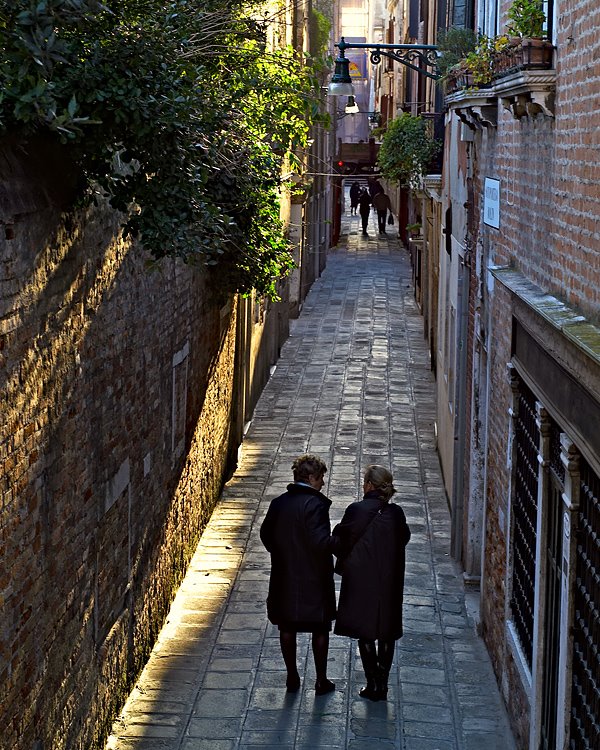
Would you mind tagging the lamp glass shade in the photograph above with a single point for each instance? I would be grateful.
(340, 89)
(341, 83)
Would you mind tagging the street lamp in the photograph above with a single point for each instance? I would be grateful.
(351, 106)
(418, 57)
(341, 83)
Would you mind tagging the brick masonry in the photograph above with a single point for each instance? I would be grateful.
(548, 168)
(117, 396)
(550, 203)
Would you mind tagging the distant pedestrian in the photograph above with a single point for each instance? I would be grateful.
(297, 533)
(364, 203)
(382, 204)
(370, 543)
(354, 195)
(374, 187)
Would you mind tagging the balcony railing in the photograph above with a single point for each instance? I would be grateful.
(530, 54)
(521, 75)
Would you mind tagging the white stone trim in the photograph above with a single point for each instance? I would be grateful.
(514, 646)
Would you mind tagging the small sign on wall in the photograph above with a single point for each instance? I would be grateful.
(491, 203)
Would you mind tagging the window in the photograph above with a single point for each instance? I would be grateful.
(525, 509)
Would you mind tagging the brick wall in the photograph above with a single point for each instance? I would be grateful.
(549, 168)
(116, 402)
(496, 508)
(496, 562)
(523, 163)
(577, 181)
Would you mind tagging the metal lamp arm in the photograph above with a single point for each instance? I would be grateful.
(406, 54)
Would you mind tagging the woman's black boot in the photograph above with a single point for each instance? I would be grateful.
(385, 657)
(368, 655)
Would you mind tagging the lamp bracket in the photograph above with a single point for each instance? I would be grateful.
(418, 57)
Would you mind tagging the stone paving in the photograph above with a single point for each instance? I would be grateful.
(353, 385)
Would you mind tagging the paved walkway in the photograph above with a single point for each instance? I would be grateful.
(353, 385)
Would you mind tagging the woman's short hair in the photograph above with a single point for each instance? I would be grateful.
(306, 465)
(381, 479)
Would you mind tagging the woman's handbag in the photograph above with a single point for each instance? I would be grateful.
(391, 220)
(339, 562)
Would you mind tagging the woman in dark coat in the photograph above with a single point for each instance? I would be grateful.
(370, 543)
(354, 194)
(297, 533)
(364, 209)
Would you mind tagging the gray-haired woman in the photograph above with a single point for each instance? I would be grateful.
(297, 533)
(369, 543)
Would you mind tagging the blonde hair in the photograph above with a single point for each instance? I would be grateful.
(381, 479)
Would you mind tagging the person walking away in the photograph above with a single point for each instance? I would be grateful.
(364, 203)
(354, 195)
(374, 187)
(382, 204)
(369, 543)
(297, 533)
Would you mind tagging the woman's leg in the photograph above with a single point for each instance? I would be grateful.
(320, 649)
(287, 641)
(368, 655)
(385, 657)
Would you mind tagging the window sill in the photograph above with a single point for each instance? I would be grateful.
(519, 658)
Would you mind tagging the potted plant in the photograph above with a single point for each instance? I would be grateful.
(414, 230)
(527, 19)
(476, 68)
(479, 62)
(453, 44)
(526, 25)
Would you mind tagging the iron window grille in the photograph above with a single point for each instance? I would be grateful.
(585, 695)
(525, 510)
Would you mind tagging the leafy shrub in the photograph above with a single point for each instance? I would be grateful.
(406, 150)
(177, 112)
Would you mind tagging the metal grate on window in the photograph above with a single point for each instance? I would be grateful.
(585, 698)
(527, 440)
(556, 463)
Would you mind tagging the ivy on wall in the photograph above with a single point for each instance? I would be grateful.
(177, 112)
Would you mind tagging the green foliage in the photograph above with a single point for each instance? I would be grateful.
(177, 112)
(406, 150)
(454, 44)
(480, 62)
(320, 28)
(527, 19)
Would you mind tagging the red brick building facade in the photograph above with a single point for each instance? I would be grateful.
(512, 315)
(532, 251)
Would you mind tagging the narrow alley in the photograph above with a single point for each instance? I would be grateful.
(354, 386)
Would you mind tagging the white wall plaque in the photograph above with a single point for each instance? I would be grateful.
(491, 203)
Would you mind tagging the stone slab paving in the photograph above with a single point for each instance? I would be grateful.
(354, 385)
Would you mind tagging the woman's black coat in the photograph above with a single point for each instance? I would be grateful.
(364, 203)
(297, 533)
(372, 563)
